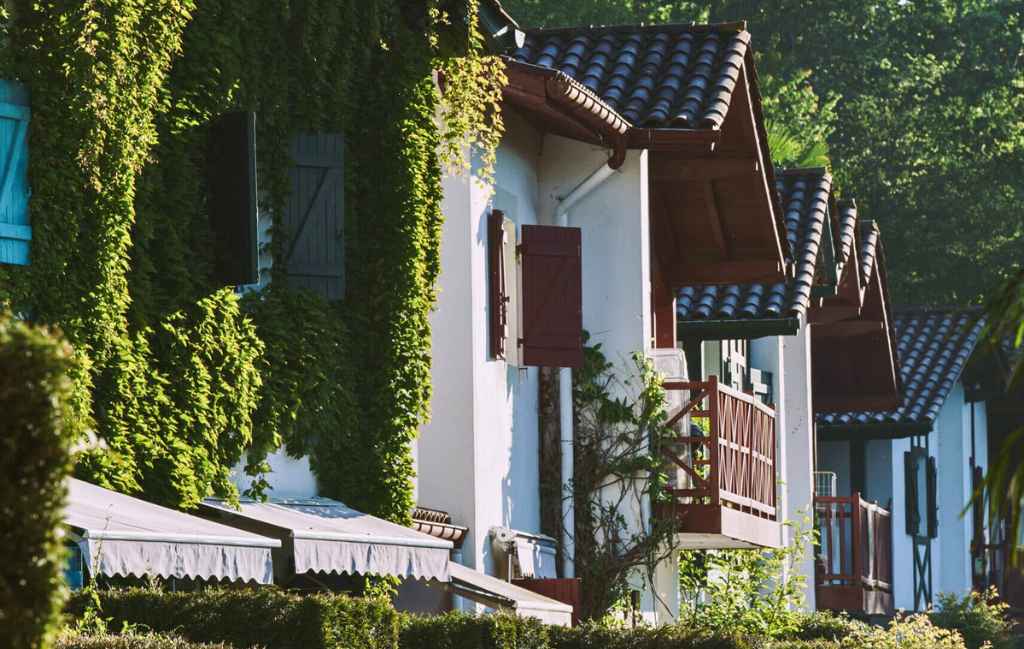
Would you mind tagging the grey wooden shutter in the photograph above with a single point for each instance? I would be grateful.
(910, 468)
(315, 214)
(933, 504)
(15, 231)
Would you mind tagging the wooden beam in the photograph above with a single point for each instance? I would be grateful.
(716, 220)
(847, 328)
(855, 403)
(674, 139)
(826, 313)
(677, 169)
(718, 273)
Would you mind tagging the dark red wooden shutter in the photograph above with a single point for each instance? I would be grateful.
(552, 296)
(498, 303)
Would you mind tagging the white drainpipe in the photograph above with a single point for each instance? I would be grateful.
(565, 427)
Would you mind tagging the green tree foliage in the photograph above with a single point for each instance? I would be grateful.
(37, 430)
(927, 133)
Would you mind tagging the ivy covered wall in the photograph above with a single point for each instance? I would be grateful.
(179, 376)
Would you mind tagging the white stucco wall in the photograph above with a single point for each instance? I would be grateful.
(788, 358)
(478, 459)
(289, 477)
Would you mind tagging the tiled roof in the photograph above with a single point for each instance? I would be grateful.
(672, 76)
(805, 196)
(933, 346)
(847, 228)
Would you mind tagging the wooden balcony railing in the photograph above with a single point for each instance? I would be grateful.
(854, 559)
(734, 464)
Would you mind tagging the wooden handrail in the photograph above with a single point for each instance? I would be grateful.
(740, 447)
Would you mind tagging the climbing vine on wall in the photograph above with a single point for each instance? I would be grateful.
(178, 375)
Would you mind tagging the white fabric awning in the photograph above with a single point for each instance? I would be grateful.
(534, 554)
(326, 536)
(121, 535)
(498, 594)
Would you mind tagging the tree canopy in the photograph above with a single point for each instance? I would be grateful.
(918, 103)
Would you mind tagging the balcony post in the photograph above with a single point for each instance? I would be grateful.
(714, 449)
(856, 549)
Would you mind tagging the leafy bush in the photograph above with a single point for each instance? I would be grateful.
(130, 641)
(595, 636)
(747, 591)
(464, 631)
(978, 617)
(913, 632)
(265, 617)
(824, 625)
(36, 434)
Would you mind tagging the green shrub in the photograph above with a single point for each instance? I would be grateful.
(265, 617)
(131, 641)
(913, 632)
(824, 625)
(816, 643)
(977, 617)
(464, 631)
(36, 435)
(595, 636)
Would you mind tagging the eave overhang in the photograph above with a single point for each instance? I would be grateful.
(559, 104)
(872, 431)
(737, 329)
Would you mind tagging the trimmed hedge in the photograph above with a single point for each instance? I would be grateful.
(465, 631)
(265, 617)
(591, 636)
(131, 641)
(36, 435)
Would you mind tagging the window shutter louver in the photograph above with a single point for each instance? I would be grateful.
(15, 231)
(315, 214)
(933, 505)
(911, 498)
(552, 280)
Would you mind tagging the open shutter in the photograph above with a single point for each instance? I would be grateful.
(232, 203)
(933, 505)
(552, 296)
(912, 501)
(498, 302)
(15, 232)
(315, 214)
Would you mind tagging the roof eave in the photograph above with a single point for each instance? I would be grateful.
(737, 329)
(877, 431)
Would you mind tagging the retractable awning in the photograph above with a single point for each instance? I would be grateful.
(498, 594)
(121, 535)
(324, 535)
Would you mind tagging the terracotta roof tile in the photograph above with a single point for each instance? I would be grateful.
(672, 76)
(805, 195)
(933, 347)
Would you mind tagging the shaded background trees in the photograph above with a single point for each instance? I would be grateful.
(919, 104)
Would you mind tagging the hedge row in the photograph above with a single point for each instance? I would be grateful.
(131, 641)
(274, 619)
(264, 617)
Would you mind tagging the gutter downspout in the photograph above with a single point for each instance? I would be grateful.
(565, 415)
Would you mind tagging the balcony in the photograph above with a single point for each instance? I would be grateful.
(723, 492)
(854, 559)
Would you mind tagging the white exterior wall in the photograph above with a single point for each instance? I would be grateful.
(478, 457)
(289, 477)
(788, 358)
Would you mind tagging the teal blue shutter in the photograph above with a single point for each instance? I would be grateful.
(15, 232)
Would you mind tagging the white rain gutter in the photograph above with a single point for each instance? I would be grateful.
(565, 418)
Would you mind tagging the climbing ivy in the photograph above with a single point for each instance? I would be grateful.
(177, 375)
